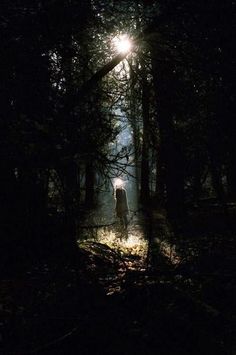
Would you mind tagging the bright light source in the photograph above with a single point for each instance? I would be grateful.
(122, 44)
(118, 182)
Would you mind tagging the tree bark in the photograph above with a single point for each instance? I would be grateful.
(145, 169)
(89, 184)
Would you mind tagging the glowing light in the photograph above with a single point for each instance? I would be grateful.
(133, 244)
(122, 44)
(118, 182)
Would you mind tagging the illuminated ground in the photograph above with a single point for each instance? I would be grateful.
(114, 252)
(127, 242)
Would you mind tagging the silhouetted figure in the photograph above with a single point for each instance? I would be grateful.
(122, 209)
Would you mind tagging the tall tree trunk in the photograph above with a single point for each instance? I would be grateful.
(169, 153)
(133, 117)
(145, 168)
(69, 173)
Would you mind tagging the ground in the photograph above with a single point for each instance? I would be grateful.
(144, 290)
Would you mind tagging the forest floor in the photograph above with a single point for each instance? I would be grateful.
(145, 290)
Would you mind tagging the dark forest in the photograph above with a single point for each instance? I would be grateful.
(117, 177)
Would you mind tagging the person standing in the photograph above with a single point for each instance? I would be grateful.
(122, 209)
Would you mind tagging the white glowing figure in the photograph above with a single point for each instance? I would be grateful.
(122, 44)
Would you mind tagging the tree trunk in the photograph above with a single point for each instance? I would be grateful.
(69, 179)
(145, 169)
(89, 184)
(133, 117)
(231, 173)
(160, 178)
(169, 153)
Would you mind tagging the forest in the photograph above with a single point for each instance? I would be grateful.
(106, 103)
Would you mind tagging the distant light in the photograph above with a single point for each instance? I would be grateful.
(123, 44)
